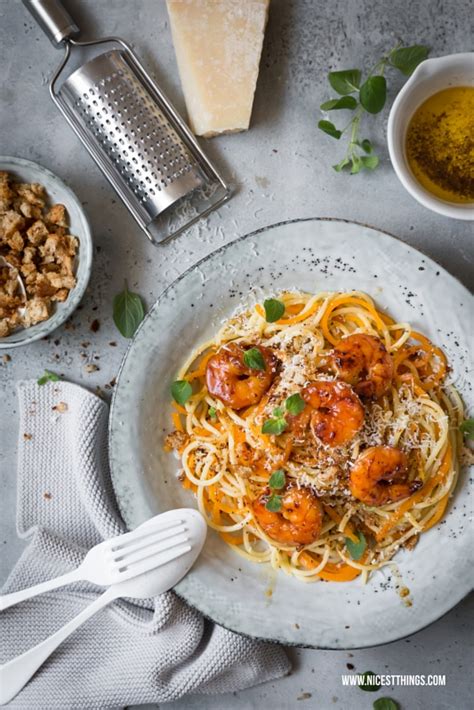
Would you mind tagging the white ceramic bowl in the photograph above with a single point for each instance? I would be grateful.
(430, 76)
(57, 191)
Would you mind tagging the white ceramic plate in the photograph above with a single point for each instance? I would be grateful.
(57, 191)
(311, 255)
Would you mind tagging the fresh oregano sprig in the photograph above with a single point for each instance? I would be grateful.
(361, 97)
(276, 482)
(294, 405)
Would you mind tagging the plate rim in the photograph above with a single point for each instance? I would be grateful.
(110, 433)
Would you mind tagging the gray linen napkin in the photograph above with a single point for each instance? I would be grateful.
(128, 653)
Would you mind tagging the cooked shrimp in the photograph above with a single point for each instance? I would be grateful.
(334, 412)
(229, 379)
(299, 520)
(379, 476)
(362, 361)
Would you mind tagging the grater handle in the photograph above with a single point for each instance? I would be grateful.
(53, 19)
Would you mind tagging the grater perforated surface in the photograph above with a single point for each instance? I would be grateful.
(133, 132)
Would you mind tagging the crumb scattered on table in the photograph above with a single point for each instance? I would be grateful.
(91, 367)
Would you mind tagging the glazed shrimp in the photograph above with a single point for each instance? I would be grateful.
(362, 361)
(379, 476)
(334, 412)
(299, 520)
(229, 379)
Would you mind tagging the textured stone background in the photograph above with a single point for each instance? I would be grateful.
(281, 170)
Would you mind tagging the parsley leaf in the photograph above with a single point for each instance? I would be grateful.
(213, 412)
(274, 426)
(467, 428)
(368, 682)
(273, 503)
(277, 479)
(48, 376)
(253, 358)
(274, 310)
(128, 312)
(181, 391)
(295, 404)
(356, 549)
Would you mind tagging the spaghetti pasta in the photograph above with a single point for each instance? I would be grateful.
(230, 454)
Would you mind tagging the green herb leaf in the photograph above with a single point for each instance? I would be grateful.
(385, 704)
(273, 503)
(278, 412)
(253, 358)
(340, 166)
(274, 426)
(406, 59)
(367, 683)
(369, 161)
(128, 312)
(181, 391)
(348, 102)
(356, 549)
(346, 81)
(213, 412)
(277, 479)
(356, 164)
(467, 428)
(295, 404)
(274, 309)
(330, 129)
(48, 376)
(373, 94)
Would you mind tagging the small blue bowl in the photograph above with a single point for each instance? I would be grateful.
(57, 191)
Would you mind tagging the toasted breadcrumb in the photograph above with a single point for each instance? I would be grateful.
(176, 441)
(35, 242)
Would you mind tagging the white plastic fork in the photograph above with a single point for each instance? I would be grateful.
(122, 557)
(150, 574)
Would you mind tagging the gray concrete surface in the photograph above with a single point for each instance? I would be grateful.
(281, 170)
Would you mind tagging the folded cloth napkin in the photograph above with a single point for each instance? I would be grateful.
(129, 653)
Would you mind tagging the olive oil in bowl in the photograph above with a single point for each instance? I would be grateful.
(439, 144)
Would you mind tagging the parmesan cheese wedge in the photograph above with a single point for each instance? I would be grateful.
(218, 44)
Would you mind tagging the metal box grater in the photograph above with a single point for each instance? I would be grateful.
(131, 130)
